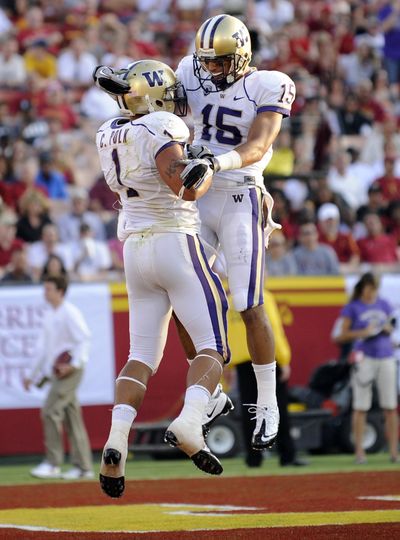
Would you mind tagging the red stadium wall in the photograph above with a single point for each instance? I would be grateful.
(308, 306)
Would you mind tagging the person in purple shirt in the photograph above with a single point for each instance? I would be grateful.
(367, 321)
(389, 18)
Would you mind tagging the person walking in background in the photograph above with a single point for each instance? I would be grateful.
(367, 321)
(248, 385)
(62, 352)
(141, 155)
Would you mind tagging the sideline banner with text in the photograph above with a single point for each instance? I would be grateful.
(21, 316)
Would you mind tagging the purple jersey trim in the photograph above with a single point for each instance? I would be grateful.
(166, 145)
(273, 108)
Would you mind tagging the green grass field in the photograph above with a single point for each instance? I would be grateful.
(15, 471)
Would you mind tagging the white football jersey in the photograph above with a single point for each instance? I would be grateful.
(222, 119)
(128, 150)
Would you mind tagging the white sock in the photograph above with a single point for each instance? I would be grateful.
(121, 423)
(266, 384)
(196, 400)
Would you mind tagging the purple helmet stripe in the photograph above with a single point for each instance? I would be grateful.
(203, 33)
(214, 30)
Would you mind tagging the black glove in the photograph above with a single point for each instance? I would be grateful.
(200, 151)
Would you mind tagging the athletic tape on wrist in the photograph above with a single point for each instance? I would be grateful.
(228, 161)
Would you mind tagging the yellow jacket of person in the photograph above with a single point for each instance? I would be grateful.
(237, 334)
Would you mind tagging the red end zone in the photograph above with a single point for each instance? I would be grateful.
(348, 505)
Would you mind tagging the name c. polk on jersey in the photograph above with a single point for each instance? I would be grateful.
(117, 136)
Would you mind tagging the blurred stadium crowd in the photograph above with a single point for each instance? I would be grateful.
(335, 173)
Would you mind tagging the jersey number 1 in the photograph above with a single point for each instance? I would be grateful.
(115, 157)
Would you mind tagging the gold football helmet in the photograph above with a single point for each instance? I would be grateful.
(143, 87)
(225, 40)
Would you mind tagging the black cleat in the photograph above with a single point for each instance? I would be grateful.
(113, 487)
(207, 462)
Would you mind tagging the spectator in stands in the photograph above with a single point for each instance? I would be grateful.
(388, 16)
(54, 266)
(8, 241)
(351, 120)
(373, 148)
(370, 106)
(375, 204)
(32, 28)
(61, 354)
(91, 257)
(359, 65)
(389, 182)
(377, 246)
(39, 252)
(393, 220)
(75, 65)
(18, 271)
(69, 223)
(26, 174)
(321, 193)
(281, 213)
(34, 215)
(368, 322)
(55, 105)
(313, 258)
(330, 234)
(342, 181)
(40, 63)
(50, 179)
(12, 65)
(278, 260)
(101, 199)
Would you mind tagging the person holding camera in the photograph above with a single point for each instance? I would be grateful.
(62, 352)
(367, 322)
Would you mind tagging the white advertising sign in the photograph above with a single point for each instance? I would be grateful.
(21, 315)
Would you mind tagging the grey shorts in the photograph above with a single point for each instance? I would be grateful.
(383, 373)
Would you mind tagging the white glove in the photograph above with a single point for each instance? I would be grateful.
(200, 151)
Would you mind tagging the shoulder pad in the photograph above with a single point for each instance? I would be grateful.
(187, 61)
(167, 125)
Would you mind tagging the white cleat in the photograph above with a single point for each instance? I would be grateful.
(188, 437)
(219, 405)
(267, 424)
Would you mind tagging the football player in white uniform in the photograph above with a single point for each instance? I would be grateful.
(237, 113)
(165, 265)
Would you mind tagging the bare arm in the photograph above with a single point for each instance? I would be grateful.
(170, 170)
(346, 334)
(262, 134)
